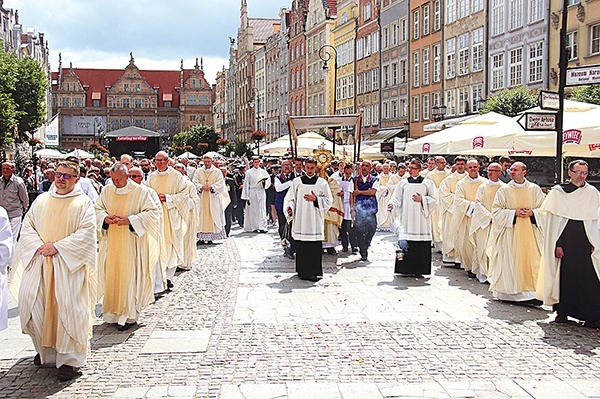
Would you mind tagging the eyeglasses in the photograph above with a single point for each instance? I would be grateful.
(580, 173)
(65, 176)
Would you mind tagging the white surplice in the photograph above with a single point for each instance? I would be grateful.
(254, 191)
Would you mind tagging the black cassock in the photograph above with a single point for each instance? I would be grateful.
(579, 284)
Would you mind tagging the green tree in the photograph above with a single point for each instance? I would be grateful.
(30, 96)
(8, 108)
(586, 94)
(198, 140)
(511, 102)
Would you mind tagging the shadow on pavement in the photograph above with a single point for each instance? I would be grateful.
(24, 376)
(571, 336)
(107, 335)
(287, 285)
(514, 314)
(402, 283)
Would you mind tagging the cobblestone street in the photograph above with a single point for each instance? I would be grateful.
(241, 325)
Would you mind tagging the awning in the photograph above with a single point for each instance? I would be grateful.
(385, 134)
(446, 123)
(322, 121)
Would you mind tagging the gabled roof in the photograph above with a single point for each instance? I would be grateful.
(262, 28)
(98, 80)
(332, 6)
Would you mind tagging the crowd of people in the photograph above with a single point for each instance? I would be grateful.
(115, 232)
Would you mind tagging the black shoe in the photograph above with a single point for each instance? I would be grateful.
(66, 373)
(354, 250)
(344, 249)
(471, 274)
(331, 251)
(199, 242)
(182, 269)
(289, 255)
(418, 275)
(313, 278)
(364, 258)
(209, 242)
(126, 326)
(457, 265)
(158, 295)
(169, 284)
(561, 318)
(37, 360)
(262, 231)
(530, 302)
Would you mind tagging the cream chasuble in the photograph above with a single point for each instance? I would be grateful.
(213, 203)
(559, 207)
(446, 201)
(6, 249)
(515, 242)
(383, 196)
(192, 221)
(481, 220)
(334, 216)
(57, 294)
(464, 204)
(127, 260)
(437, 177)
(175, 213)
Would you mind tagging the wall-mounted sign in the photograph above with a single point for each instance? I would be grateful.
(131, 138)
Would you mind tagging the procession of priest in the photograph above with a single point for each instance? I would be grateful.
(74, 234)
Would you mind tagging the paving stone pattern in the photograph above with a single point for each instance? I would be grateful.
(241, 325)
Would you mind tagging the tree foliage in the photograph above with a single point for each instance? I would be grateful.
(23, 86)
(198, 140)
(511, 102)
(587, 94)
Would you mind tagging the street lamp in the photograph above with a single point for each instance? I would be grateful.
(438, 112)
(253, 97)
(326, 53)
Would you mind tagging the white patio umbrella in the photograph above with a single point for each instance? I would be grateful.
(49, 153)
(307, 142)
(188, 155)
(81, 154)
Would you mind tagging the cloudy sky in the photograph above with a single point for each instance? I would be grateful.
(101, 33)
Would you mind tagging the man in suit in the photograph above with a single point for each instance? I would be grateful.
(231, 190)
(238, 180)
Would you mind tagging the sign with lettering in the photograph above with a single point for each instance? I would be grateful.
(571, 136)
(387, 147)
(583, 75)
(131, 138)
(478, 142)
(538, 121)
(549, 100)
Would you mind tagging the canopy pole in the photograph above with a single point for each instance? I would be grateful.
(291, 129)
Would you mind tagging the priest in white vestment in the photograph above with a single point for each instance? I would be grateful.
(171, 188)
(54, 274)
(334, 216)
(306, 203)
(6, 249)
(412, 203)
(214, 198)
(481, 221)
(257, 180)
(387, 184)
(446, 194)
(463, 207)
(191, 235)
(430, 167)
(129, 218)
(569, 277)
(516, 239)
(437, 176)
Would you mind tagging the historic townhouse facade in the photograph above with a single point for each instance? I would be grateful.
(230, 112)
(257, 95)
(92, 102)
(320, 86)
(283, 71)
(271, 125)
(344, 43)
(368, 70)
(394, 64)
(465, 63)
(583, 36)
(219, 103)
(297, 58)
(518, 44)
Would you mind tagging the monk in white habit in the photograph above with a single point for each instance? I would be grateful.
(334, 216)
(214, 198)
(446, 194)
(306, 203)
(54, 273)
(437, 176)
(128, 217)
(171, 188)
(516, 239)
(387, 183)
(192, 220)
(412, 203)
(569, 277)
(256, 182)
(6, 249)
(463, 207)
(481, 221)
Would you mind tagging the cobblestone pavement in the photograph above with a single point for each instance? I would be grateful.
(241, 325)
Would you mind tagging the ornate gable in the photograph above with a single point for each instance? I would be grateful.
(131, 90)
